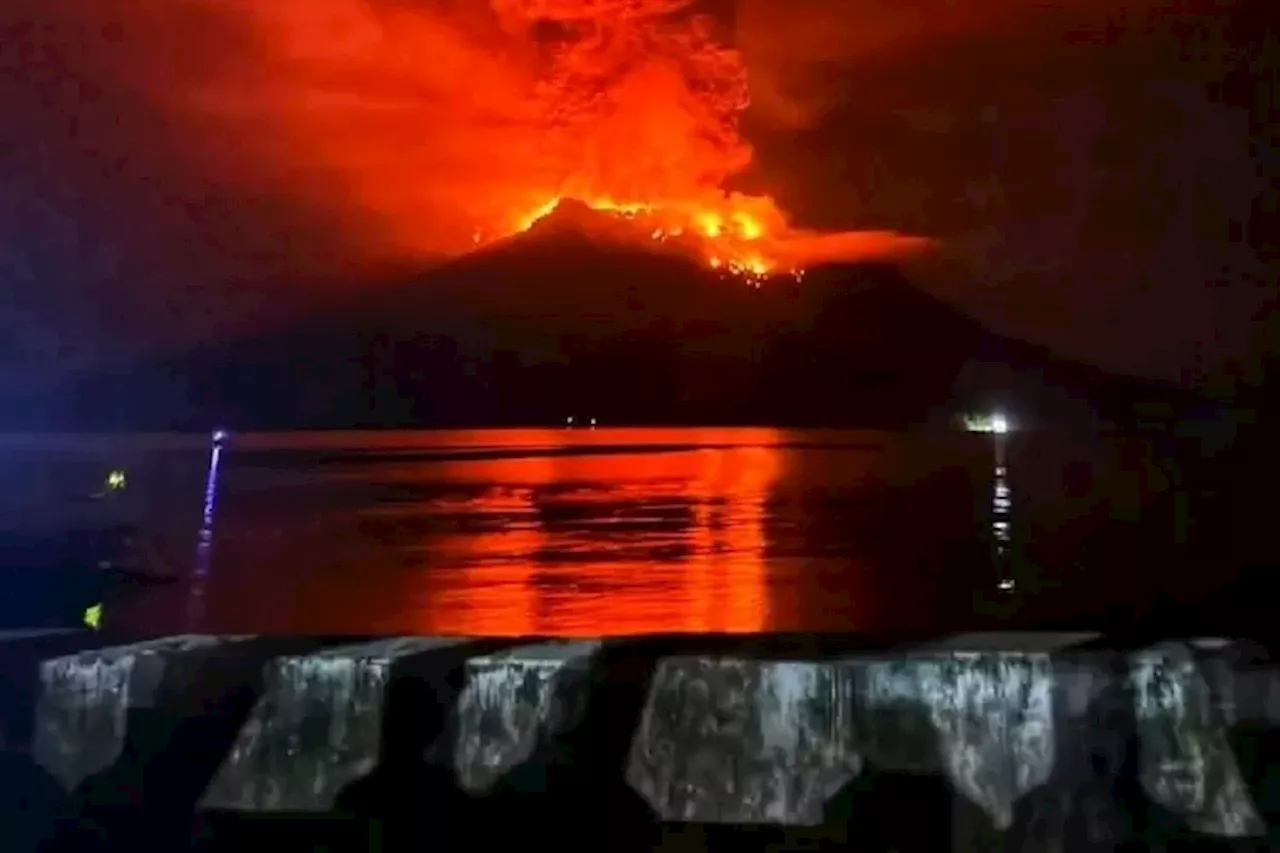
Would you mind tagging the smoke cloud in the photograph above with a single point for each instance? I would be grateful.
(1097, 170)
(417, 123)
(173, 167)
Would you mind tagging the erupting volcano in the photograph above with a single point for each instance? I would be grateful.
(450, 125)
(650, 100)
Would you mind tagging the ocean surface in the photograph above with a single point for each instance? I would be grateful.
(597, 531)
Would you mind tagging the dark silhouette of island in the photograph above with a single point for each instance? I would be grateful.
(576, 318)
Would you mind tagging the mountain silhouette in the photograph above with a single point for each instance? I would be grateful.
(583, 316)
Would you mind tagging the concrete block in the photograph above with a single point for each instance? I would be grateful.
(740, 741)
(735, 741)
(990, 714)
(21, 653)
(512, 700)
(85, 699)
(317, 728)
(1187, 765)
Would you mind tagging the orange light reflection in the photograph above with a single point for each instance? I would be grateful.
(594, 541)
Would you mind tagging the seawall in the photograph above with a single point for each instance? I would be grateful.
(999, 741)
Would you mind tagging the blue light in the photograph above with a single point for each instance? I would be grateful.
(204, 539)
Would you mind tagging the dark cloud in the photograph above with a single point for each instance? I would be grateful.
(121, 225)
(1097, 168)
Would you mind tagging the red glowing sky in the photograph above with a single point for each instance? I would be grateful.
(185, 163)
(441, 122)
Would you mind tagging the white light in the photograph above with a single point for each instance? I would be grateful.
(1006, 585)
(219, 435)
(996, 423)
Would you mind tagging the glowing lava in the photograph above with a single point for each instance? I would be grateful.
(733, 238)
(743, 236)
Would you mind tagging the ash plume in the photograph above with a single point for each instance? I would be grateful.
(411, 126)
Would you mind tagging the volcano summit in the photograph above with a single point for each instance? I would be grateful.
(751, 246)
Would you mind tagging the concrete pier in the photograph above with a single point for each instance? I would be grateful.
(1028, 742)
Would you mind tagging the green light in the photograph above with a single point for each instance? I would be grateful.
(93, 617)
(116, 481)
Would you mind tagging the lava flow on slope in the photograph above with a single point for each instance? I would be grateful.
(727, 235)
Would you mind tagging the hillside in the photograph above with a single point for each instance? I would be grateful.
(576, 317)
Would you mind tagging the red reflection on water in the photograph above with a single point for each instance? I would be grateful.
(584, 533)
(603, 542)
(608, 532)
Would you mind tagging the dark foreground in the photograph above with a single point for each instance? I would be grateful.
(1063, 741)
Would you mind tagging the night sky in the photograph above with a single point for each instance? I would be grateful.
(177, 171)
(1105, 174)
